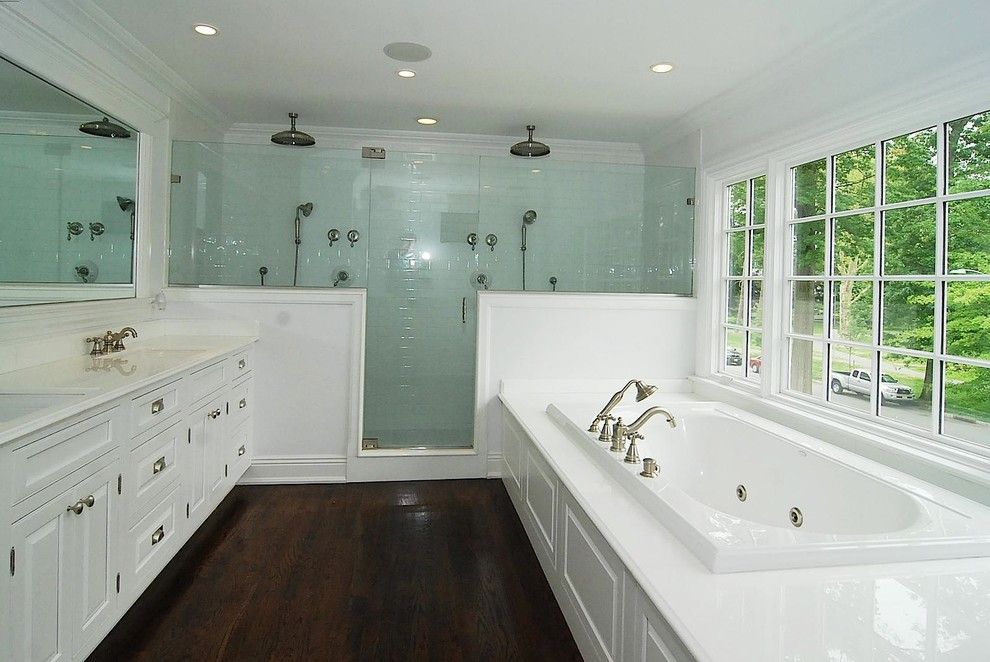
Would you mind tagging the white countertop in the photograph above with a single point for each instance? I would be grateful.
(80, 383)
(936, 611)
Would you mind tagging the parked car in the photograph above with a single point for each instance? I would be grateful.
(860, 381)
(733, 357)
(755, 364)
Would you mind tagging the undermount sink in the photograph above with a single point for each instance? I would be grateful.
(14, 405)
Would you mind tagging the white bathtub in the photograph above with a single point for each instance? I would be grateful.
(854, 510)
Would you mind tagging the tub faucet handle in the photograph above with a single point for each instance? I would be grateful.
(632, 455)
(606, 428)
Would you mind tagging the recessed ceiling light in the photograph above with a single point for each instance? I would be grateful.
(427, 121)
(406, 73)
(662, 68)
(205, 30)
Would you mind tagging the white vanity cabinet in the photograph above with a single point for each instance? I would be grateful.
(608, 613)
(96, 505)
(63, 567)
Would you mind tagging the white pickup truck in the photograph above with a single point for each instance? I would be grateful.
(860, 381)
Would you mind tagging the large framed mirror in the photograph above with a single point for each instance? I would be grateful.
(68, 195)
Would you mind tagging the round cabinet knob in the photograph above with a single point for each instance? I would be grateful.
(76, 508)
(89, 501)
(215, 413)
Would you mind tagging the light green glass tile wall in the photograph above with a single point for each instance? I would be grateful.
(49, 181)
(600, 228)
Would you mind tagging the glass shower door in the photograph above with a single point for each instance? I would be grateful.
(421, 316)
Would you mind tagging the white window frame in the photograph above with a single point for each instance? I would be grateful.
(726, 230)
(883, 435)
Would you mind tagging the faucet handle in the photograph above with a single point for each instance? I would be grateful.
(97, 346)
(606, 434)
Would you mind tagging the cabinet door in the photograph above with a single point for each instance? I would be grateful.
(203, 443)
(648, 636)
(92, 600)
(37, 610)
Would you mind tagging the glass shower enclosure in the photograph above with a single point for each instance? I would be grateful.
(423, 233)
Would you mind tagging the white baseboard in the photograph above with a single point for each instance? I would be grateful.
(494, 465)
(282, 470)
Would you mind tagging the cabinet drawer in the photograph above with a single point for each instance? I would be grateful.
(241, 403)
(155, 406)
(151, 468)
(150, 544)
(50, 456)
(206, 381)
(242, 363)
(241, 451)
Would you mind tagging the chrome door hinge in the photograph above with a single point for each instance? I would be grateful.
(118, 582)
(13, 561)
(690, 202)
(120, 481)
(176, 179)
(372, 152)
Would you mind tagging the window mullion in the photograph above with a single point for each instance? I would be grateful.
(941, 265)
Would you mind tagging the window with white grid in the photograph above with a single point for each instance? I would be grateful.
(889, 281)
(744, 233)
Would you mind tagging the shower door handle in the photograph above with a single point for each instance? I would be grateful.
(463, 310)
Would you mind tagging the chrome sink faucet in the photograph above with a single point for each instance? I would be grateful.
(643, 391)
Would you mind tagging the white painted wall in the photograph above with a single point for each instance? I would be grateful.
(308, 374)
(536, 336)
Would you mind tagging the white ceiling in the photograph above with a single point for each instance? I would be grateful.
(578, 69)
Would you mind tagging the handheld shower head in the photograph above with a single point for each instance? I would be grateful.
(529, 217)
(125, 204)
(305, 208)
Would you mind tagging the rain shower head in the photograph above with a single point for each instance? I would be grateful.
(305, 208)
(529, 148)
(292, 137)
(529, 217)
(125, 204)
(104, 128)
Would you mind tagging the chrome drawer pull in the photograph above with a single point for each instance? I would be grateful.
(157, 406)
(242, 404)
(158, 535)
(241, 451)
(241, 364)
(159, 465)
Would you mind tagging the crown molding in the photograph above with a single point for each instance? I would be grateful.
(94, 23)
(433, 141)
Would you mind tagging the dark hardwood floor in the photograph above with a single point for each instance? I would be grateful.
(438, 570)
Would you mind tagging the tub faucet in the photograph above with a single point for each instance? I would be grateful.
(643, 391)
(622, 432)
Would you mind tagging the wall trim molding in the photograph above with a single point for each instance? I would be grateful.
(295, 469)
(436, 142)
(495, 465)
(249, 294)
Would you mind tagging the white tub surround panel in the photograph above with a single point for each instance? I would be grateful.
(529, 335)
(730, 483)
(308, 367)
(107, 465)
(599, 546)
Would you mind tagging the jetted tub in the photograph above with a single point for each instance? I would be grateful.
(731, 487)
